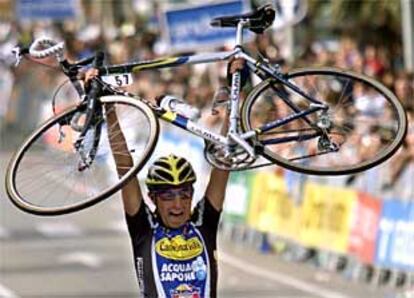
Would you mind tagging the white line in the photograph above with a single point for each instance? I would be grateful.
(118, 226)
(7, 293)
(278, 277)
(58, 229)
(4, 233)
(85, 258)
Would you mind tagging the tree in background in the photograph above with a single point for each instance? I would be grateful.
(368, 21)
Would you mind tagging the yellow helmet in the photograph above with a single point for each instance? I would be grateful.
(170, 171)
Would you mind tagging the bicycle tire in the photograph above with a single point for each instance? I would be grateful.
(18, 167)
(349, 82)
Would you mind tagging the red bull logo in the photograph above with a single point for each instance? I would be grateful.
(185, 291)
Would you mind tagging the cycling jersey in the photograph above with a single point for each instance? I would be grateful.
(176, 262)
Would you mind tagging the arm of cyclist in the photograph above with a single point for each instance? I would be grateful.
(216, 188)
(131, 192)
(89, 74)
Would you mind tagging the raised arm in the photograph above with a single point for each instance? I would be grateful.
(131, 192)
(216, 188)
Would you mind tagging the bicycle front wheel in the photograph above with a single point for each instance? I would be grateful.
(362, 127)
(48, 176)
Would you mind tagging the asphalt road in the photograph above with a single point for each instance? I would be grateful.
(87, 254)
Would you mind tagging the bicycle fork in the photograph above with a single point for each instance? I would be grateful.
(92, 123)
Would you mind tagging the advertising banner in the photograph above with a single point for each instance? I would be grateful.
(261, 206)
(287, 211)
(237, 197)
(188, 27)
(326, 217)
(271, 209)
(395, 242)
(364, 229)
(47, 9)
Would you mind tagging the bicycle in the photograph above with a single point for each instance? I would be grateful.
(321, 121)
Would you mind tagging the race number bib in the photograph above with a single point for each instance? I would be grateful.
(118, 80)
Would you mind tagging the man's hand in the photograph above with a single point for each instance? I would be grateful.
(236, 64)
(90, 74)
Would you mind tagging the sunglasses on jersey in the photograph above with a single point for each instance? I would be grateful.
(184, 193)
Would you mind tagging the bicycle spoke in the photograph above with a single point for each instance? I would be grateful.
(342, 95)
(309, 155)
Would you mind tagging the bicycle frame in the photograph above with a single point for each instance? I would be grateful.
(262, 68)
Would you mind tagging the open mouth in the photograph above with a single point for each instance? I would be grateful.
(176, 214)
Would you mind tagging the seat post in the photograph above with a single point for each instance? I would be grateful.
(239, 32)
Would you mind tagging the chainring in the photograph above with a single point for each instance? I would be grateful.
(238, 159)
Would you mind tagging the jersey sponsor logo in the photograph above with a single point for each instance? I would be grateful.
(178, 276)
(184, 272)
(178, 248)
(199, 268)
(185, 291)
(177, 272)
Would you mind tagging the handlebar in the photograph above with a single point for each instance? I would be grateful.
(92, 95)
(44, 47)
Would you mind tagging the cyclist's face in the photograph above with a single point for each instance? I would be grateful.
(174, 205)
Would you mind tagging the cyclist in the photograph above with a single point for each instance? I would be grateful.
(174, 249)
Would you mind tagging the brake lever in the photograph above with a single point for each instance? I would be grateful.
(19, 54)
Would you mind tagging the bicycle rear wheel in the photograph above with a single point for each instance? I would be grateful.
(364, 125)
(45, 177)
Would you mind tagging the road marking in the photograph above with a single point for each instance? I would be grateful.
(4, 233)
(87, 259)
(278, 277)
(59, 229)
(7, 293)
(118, 226)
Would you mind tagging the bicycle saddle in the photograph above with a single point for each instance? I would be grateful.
(258, 20)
